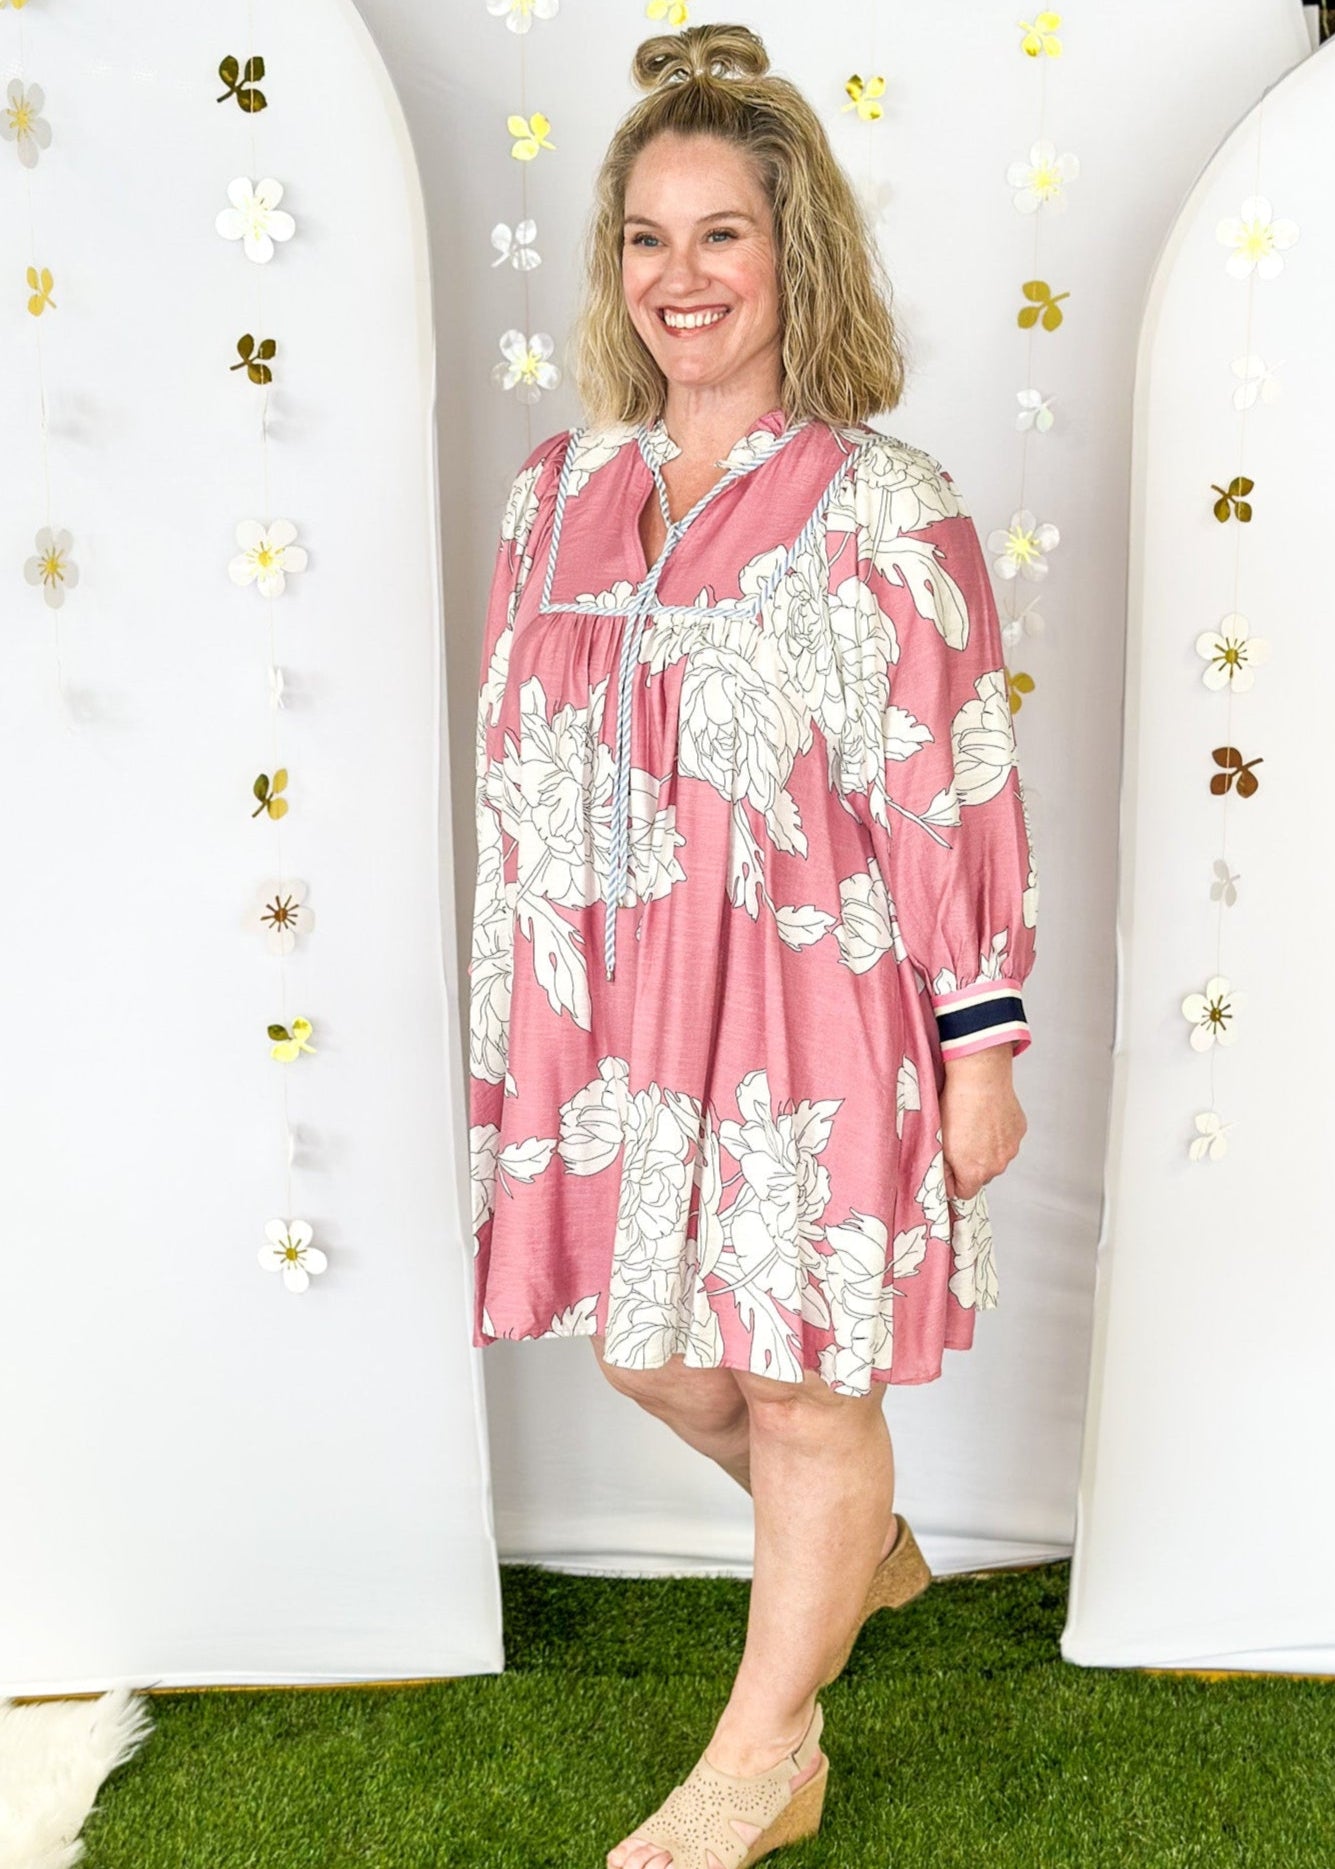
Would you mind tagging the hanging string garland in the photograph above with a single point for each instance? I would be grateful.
(268, 556)
(1257, 242)
(526, 365)
(51, 567)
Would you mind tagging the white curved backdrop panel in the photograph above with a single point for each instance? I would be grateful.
(207, 1478)
(1206, 1512)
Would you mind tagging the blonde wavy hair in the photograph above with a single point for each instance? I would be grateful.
(842, 358)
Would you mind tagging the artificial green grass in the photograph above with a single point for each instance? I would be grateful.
(958, 1739)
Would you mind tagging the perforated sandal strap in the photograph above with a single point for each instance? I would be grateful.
(696, 1816)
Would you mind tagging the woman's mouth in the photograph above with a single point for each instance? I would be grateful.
(685, 324)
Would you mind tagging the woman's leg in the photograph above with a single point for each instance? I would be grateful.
(704, 1406)
(822, 1478)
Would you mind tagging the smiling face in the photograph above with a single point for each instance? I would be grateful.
(698, 266)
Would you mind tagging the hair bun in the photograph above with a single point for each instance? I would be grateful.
(700, 55)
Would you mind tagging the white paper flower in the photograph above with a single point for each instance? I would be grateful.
(255, 217)
(517, 245)
(1041, 181)
(268, 555)
(281, 914)
(277, 684)
(526, 369)
(1256, 239)
(1211, 1013)
(22, 122)
(1022, 547)
(1210, 1142)
(1257, 381)
(1021, 622)
(290, 1252)
(1231, 654)
(1221, 889)
(52, 567)
(1035, 410)
(519, 15)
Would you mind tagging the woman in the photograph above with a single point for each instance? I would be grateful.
(755, 892)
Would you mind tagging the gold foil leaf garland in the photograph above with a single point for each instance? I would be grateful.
(270, 794)
(242, 83)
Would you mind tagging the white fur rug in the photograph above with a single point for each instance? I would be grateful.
(54, 1755)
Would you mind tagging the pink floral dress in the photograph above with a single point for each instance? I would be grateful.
(705, 1120)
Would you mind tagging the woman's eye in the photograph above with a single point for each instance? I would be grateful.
(727, 233)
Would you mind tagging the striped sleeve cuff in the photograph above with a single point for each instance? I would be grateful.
(980, 1015)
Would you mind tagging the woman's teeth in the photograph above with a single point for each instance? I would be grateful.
(691, 321)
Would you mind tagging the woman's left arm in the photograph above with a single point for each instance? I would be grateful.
(961, 868)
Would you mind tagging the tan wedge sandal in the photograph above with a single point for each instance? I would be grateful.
(715, 1820)
(897, 1579)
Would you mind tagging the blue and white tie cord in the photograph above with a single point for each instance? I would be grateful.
(645, 601)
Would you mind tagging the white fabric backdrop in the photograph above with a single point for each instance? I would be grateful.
(207, 1478)
(1206, 1510)
(987, 1456)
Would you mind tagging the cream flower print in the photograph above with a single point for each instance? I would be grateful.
(526, 369)
(1035, 410)
(1256, 239)
(1209, 1142)
(290, 1252)
(1257, 381)
(22, 122)
(516, 245)
(52, 567)
(255, 217)
(281, 914)
(1022, 547)
(519, 15)
(268, 556)
(1041, 181)
(1231, 654)
(1212, 1013)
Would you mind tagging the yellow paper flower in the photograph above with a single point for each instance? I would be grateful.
(289, 1044)
(1041, 39)
(530, 134)
(40, 285)
(863, 94)
(675, 12)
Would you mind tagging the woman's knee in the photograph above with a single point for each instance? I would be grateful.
(810, 1408)
(705, 1397)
